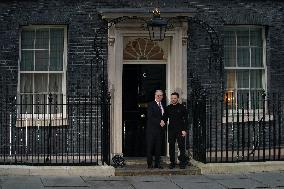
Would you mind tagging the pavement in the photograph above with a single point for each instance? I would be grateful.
(272, 179)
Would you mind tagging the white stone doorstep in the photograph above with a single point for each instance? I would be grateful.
(239, 167)
(14, 170)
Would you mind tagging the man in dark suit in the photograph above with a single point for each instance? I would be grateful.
(176, 114)
(154, 129)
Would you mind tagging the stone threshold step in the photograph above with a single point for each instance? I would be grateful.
(141, 170)
(142, 160)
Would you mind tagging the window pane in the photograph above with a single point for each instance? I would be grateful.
(56, 60)
(26, 101)
(256, 99)
(27, 60)
(56, 106)
(40, 103)
(229, 99)
(256, 79)
(256, 37)
(55, 83)
(40, 82)
(56, 47)
(229, 38)
(243, 57)
(41, 60)
(243, 37)
(27, 39)
(26, 83)
(230, 81)
(243, 79)
(230, 56)
(256, 57)
(243, 99)
(42, 38)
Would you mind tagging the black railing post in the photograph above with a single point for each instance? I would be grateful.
(269, 126)
(243, 126)
(280, 123)
(194, 129)
(48, 159)
(238, 131)
(203, 127)
(210, 128)
(253, 104)
(199, 127)
(221, 101)
(248, 105)
(216, 127)
(233, 126)
(274, 125)
(263, 95)
(227, 128)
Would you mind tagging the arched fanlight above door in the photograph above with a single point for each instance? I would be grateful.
(144, 49)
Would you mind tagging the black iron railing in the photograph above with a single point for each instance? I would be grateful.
(248, 127)
(52, 129)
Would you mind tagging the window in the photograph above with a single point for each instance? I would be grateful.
(42, 69)
(143, 49)
(244, 66)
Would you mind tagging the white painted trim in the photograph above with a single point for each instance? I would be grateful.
(176, 71)
(264, 68)
(144, 62)
(63, 72)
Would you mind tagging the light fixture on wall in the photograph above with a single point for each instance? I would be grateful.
(157, 26)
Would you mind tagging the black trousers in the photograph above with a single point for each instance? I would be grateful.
(173, 137)
(153, 147)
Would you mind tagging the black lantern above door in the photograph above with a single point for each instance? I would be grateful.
(157, 26)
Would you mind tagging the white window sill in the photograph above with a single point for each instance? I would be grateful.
(55, 122)
(257, 117)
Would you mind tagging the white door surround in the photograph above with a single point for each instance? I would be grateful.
(176, 70)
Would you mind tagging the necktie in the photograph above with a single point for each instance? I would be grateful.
(161, 108)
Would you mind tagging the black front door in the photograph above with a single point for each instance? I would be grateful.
(139, 85)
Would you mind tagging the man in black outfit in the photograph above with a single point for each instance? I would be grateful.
(177, 115)
(154, 129)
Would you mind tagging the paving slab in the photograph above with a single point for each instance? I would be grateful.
(22, 182)
(147, 178)
(194, 182)
(241, 183)
(49, 181)
(189, 178)
(225, 176)
(152, 182)
(110, 184)
(142, 170)
(273, 179)
(60, 187)
(112, 178)
(197, 185)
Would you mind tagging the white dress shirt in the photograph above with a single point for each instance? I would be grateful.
(161, 106)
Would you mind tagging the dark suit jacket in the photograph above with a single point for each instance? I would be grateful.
(154, 117)
(177, 116)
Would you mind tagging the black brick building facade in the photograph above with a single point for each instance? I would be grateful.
(84, 26)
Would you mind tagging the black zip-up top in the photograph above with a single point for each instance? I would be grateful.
(177, 116)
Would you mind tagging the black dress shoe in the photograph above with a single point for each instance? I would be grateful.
(150, 166)
(158, 166)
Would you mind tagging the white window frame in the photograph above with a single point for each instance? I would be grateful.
(38, 118)
(264, 68)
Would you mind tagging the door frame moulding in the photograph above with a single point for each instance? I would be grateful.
(176, 71)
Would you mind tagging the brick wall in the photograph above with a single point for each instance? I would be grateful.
(83, 24)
